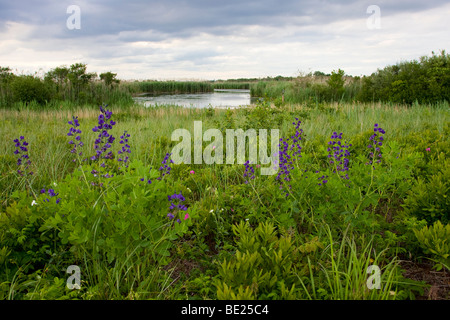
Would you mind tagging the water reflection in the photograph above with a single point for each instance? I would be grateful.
(217, 99)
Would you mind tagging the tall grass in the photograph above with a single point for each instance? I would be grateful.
(163, 87)
(177, 87)
(93, 94)
(151, 129)
(304, 89)
(340, 272)
(346, 270)
(46, 132)
(356, 118)
(133, 274)
(347, 275)
(231, 85)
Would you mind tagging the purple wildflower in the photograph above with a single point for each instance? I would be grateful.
(75, 131)
(339, 153)
(249, 171)
(376, 142)
(323, 180)
(290, 150)
(51, 193)
(23, 161)
(104, 140)
(125, 148)
(165, 168)
(176, 205)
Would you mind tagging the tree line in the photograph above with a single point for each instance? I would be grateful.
(425, 81)
(73, 84)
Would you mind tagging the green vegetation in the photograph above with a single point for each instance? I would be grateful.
(73, 86)
(361, 191)
(312, 240)
(309, 89)
(165, 87)
(63, 86)
(426, 81)
(423, 81)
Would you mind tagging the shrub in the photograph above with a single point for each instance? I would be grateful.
(101, 217)
(336, 84)
(28, 88)
(428, 199)
(263, 267)
(435, 241)
(424, 81)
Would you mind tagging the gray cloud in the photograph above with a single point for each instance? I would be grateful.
(224, 36)
(183, 18)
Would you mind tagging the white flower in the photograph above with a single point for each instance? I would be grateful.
(211, 211)
(54, 183)
(33, 203)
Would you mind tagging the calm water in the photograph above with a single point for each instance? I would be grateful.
(216, 99)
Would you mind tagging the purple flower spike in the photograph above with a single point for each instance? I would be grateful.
(340, 154)
(73, 129)
(165, 168)
(377, 142)
(125, 148)
(176, 204)
(23, 160)
(289, 151)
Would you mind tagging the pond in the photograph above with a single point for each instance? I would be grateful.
(220, 98)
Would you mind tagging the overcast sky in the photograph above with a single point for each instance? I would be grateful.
(200, 39)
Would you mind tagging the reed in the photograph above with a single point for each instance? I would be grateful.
(151, 129)
(166, 87)
(232, 85)
(304, 90)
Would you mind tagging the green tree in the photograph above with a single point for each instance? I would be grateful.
(5, 73)
(109, 78)
(59, 76)
(426, 80)
(336, 83)
(6, 96)
(319, 74)
(79, 80)
(28, 88)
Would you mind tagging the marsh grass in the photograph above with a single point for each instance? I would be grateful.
(338, 271)
(347, 277)
(311, 90)
(163, 87)
(151, 129)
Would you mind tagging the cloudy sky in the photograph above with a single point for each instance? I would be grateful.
(199, 39)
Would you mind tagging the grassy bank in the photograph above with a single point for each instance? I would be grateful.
(304, 233)
(152, 127)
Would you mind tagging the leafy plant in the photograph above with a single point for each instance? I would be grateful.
(263, 266)
(425, 81)
(435, 241)
(346, 271)
(336, 83)
(428, 198)
(28, 88)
